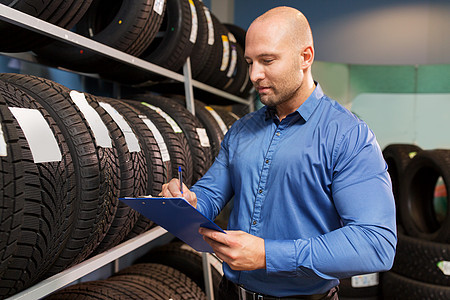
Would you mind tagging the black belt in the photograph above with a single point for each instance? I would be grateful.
(245, 294)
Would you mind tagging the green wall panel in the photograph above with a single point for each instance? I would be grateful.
(433, 79)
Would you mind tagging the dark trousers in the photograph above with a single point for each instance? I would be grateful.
(230, 291)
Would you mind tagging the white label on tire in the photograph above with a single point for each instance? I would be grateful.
(219, 120)
(158, 137)
(3, 146)
(366, 280)
(233, 61)
(194, 23)
(444, 266)
(226, 53)
(210, 26)
(130, 138)
(204, 140)
(40, 138)
(96, 124)
(233, 115)
(168, 118)
(232, 38)
(158, 7)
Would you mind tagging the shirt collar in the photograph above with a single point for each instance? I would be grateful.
(306, 109)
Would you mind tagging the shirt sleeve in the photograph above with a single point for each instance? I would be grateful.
(214, 189)
(362, 194)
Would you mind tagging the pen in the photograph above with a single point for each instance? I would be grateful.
(180, 178)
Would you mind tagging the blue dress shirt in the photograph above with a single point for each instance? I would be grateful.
(314, 186)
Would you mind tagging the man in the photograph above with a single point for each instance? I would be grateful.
(313, 200)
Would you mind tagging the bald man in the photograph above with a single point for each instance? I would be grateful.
(312, 197)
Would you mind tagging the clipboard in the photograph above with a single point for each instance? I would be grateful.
(177, 216)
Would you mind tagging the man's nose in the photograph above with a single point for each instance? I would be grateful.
(256, 72)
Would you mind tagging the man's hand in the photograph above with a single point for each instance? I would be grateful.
(240, 250)
(172, 189)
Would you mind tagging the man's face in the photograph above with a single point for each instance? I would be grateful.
(274, 63)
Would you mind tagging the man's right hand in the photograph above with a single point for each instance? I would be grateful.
(172, 189)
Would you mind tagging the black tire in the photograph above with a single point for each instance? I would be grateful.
(347, 288)
(228, 117)
(155, 289)
(133, 181)
(181, 285)
(215, 133)
(127, 25)
(174, 46)
(12, 187)
(397, 157)
(214, 60)
(49, 190)
(420, 259)
(97, 183)
(201, 49)
(63, 13)
(154, 170)
(102, 289)
(418, 215)
(238, 75)
(219, 77)
(239, 33)
(188, 261)
(201, 155)
(397, 287)
(178, 145)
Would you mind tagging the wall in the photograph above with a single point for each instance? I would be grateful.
(367, 31)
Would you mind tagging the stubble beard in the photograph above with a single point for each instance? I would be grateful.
(277, 99)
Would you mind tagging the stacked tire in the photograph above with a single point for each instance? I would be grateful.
(421, 266)
(66, 158)
(162, 32)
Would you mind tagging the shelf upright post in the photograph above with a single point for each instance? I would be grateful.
(188, 89)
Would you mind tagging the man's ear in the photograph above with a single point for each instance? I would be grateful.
(308, 57)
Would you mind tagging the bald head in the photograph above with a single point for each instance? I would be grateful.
(289, 23)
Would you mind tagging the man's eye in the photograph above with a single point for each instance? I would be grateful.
(268, 61)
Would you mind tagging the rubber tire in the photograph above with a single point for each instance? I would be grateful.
(179, 152)
(188, 261)
(130, 29)
(417, 193)
(48, 190)
(152, 170)
(181, 285)
(172, 49)
(215, 133)
(397, 157)
(397, 287)
(102, 289)
(201, 156)
(12, 187)
(417, 259)
(97, 184)
(63, 13)
(228, 117)
(201, 48)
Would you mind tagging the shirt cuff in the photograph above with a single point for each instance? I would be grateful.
(281, 257)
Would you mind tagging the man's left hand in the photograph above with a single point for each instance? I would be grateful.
(240, 250)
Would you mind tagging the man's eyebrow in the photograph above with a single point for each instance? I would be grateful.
(262, 55)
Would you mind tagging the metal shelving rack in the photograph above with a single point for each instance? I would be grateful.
(74, 273)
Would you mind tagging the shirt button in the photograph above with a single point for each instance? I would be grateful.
(254, 222)
(260, 191)
(278, 133)
(267, 161)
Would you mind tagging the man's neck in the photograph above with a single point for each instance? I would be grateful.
(293, 104)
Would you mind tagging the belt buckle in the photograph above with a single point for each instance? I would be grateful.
(243, 294)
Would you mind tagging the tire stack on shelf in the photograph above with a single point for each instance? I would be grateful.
(163, 32)
(422, 263)
(66, 158)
